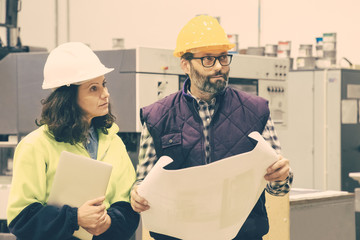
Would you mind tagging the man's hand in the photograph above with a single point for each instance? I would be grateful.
(278, 171)
(93, 217)
(138, 203)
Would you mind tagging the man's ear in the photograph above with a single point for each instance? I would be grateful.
(185, 65)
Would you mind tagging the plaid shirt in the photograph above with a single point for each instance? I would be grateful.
(148, 158)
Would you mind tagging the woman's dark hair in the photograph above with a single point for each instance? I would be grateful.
(65, 118)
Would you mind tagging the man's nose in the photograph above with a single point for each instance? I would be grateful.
(217, 64)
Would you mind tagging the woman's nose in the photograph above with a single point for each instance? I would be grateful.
(105, 93)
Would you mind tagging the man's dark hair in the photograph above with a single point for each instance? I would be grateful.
(187, 56)
(65, 119)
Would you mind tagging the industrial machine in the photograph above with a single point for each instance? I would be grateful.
(8, 19)
(322, 134)
(141, 76)
(322, 137)
(321, 215)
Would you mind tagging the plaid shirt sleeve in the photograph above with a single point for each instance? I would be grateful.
(147, 155)
(276, 188)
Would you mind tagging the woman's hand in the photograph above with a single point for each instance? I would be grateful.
(101, 227)
(93, 217)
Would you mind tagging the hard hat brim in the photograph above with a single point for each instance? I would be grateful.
(225, 47)
(84, 78)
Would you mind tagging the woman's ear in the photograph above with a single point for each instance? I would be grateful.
(185, 65)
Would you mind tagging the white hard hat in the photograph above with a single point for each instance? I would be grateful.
(72, 63)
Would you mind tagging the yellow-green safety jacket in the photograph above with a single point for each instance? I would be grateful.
(35, 161)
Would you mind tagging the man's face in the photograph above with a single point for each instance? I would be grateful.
(209, 80)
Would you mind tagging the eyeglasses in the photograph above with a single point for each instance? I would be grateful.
(209, 61)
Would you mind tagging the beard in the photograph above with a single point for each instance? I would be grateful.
(202, 82)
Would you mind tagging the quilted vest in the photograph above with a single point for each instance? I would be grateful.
(177, 130)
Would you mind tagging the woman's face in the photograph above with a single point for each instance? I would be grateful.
(93, 98)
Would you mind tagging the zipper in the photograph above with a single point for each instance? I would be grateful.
(103, 156)
(202, 128)
(209, 134)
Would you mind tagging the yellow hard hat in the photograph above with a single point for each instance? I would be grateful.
(202, 33)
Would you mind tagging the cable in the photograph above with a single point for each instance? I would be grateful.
(347, 60)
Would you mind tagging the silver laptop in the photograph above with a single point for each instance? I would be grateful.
(77, 180)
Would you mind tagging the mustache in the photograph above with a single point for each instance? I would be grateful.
(224, 75)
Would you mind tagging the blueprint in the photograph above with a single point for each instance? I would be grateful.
(206, 202)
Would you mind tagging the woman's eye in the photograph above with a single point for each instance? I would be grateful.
(104, 84)
(93, 88)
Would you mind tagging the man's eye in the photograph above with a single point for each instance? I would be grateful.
(209, 58)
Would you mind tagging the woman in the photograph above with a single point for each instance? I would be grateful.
(76, 117)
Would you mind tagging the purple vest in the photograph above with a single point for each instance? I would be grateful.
(177, 130)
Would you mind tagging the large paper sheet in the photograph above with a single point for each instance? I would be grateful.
(206, 202)
(77, 180)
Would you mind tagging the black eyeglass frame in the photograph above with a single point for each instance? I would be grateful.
(216, 58)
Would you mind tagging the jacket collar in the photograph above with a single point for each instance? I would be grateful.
(114, 129)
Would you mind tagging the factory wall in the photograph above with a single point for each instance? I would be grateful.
(156, 23)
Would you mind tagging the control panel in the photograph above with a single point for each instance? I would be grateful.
(276, 93)
(259, 67)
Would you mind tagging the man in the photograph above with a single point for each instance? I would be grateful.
(207, 121)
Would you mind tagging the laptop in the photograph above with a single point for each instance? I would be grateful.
(77, 180)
